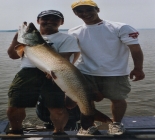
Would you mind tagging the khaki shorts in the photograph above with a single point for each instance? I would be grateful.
(28, 84)
(112, 87)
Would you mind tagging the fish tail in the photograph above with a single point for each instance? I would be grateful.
(87, 121)
(99, 116)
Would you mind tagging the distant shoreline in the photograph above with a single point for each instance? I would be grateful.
(68, 29)
(17, 30)
(8, 30)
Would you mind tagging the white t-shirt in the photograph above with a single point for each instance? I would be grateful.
(61, 42)
(104, 47)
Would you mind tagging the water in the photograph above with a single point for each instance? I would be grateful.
(141, 101)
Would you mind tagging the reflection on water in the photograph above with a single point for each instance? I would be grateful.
(141, 101)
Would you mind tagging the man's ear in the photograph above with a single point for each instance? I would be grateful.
(38, 21)
(97, 9)
(62, 22)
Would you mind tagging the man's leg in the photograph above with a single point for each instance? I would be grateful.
(118, 108)
(116, 88)
(59, 117)
(16, 117)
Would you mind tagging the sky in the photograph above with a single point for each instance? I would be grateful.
(137, 13)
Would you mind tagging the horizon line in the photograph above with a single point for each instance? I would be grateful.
(14, 30)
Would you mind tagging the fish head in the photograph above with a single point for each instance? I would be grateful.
(32, 36)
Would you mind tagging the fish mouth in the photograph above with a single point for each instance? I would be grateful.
(31, 28)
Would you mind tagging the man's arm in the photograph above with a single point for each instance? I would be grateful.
(11, 51)
(68, 55)
(137, 56)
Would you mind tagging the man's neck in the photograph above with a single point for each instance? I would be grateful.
(94, 22)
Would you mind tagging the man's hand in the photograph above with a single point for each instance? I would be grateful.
(137, 75)
(48, 76)
(11, 50)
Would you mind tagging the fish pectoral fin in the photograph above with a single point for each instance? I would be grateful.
(20, 49)
(53, 75)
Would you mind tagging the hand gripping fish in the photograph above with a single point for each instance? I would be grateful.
(64, 74)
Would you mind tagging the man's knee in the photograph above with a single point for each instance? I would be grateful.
(58, 111)
(121, 103)
(14, 112)
(118, 101)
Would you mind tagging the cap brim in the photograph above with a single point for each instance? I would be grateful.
(83, 5)
(50, 14)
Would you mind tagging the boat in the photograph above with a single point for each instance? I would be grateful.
(137, 128)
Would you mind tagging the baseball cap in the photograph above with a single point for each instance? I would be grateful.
(50, 12)
(83, 2)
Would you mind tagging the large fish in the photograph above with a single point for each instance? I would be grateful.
(64, 74)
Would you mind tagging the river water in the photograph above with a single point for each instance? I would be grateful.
(141, 101)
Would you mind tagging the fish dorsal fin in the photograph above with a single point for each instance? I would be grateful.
(20, 49)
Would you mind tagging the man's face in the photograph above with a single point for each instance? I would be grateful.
(50, 22)
(88, 14)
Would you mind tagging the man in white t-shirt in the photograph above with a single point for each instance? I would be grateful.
(29, 83)
(105, 48)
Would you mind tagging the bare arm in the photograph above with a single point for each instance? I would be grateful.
(66, 55)
(11, 51)
(137, 56)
